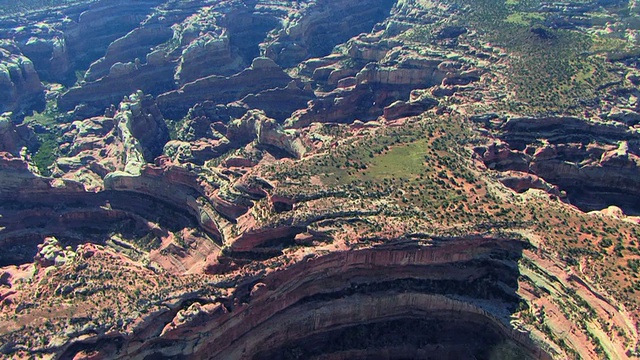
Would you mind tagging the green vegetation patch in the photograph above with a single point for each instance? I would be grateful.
(421, 168)
(45, 156)
(524, 18)
(46, 118)
(551, 70)
(46, 153)
(406, 160)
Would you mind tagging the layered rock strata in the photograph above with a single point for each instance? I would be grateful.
(595, 163)
(20, 88)
(34, 207)
(303, 139)
(16, 139)
(350, 304)
(262, 75)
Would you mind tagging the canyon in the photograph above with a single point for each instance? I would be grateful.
(319, 179)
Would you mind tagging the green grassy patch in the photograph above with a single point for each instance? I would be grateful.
(524, 18)
(421, 165)
(44, 118)
(47, 150)
(45, 156)
(406, 160)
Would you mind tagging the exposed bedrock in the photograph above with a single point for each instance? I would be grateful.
(133, 217)
(174, 185)
(204, 54)
(248, 27)
(18, 180)
(50, 56)
(266, 131)
(101, 24)
(390, 302)
(277, 103)
(319, 27)
(197, 151)
(153, 77)
(134, 45)
(426, 327)
(371, 76)
(209, 54)
(401, 108)
(139, 115)
(179, 44)
(13, 138)
(130, 136)
(20, 88)
(522, 181)
(224, 38)
(263, 74)
(383, 87)
(280, 102)
(340, 105)
(596, 163)
(41, 38)
(200, 139)
(84, 217)
(34, 207)
(73, 37)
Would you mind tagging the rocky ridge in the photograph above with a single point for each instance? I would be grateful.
(22, 91)
(333, 167)
(593, 163)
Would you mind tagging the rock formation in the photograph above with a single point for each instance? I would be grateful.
(21, 91)
(404, 286)
(126, 140)
(322, 179)
(14, 138)
(319, 28)
(594, 162)
(263, 74)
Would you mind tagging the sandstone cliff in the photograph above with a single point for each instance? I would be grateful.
(21, 91)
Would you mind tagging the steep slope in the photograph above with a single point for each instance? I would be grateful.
(320, 179)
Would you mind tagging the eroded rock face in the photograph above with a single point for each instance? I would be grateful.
(59, 42)
(346, 303)
(20, 87)
(217, 40)
(124, 78)
(320, 26)
(195, 50)
(187, 192)
(106, 22)
(35, 207)
(263, 74)
(128, 48)
(145, 123)
(50, 253)
(50, 56)
(14, 138)
(128, 138)
(316, 190)
(266, 131)
(373, 77)
(594, 162)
